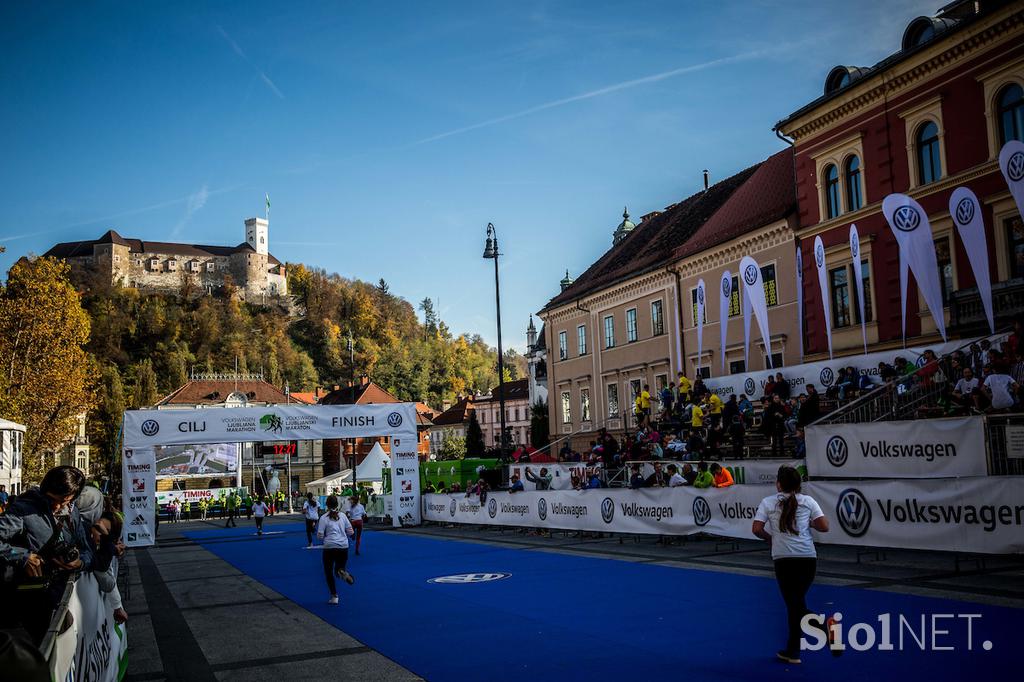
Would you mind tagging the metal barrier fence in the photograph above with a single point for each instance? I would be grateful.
(1000, 432)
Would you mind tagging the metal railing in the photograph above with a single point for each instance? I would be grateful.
(1002, 459)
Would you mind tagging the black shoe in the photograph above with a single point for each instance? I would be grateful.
(787, 657)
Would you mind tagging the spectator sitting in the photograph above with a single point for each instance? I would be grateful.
(594, 480)
(695, 446)
(704, 478)
(515, 485)
(746, 409)
(799, 446)
(658, 479)
(689, 475)
(636, 479)
(722, 476)
(965, 393)
(543, 481)
(675, 480)
(769, 387)
(998, 388)
(810, 408)
(675, 445)
(886, 372)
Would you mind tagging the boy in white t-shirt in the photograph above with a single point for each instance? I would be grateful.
(259, 512)
(311, 512)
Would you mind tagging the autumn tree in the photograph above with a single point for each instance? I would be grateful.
(45, 372)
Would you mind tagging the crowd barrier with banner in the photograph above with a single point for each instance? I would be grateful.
(94, 647)
(743, 471)
(984, 515)
(822, 374)
(927, 448)
(146, 429)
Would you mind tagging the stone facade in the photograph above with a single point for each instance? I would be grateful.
(171, 267)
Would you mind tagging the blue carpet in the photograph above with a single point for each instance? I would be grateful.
(569, 617)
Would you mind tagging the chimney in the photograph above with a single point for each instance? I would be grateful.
(363, 380)
(705, 179)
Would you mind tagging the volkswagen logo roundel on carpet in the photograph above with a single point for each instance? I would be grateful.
(467, 578)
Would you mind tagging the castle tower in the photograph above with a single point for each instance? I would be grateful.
(256, 234)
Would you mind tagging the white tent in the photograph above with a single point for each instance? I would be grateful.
(328, 484)
(370, 468)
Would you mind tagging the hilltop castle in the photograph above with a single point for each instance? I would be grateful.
(164, 266)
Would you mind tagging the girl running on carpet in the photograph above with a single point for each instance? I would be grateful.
(311, 510)
(334, 530)
(357, 514)
(259, 510)
(785, 520)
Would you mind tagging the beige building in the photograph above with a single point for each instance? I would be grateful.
(517, 414)
(617, 327)
(75, 451)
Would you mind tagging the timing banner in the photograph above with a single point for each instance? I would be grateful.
(926, 448)
(138, 492)
(271, 423)
(983, 515)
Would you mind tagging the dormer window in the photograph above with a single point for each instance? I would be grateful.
(154, 263)
(210, 266)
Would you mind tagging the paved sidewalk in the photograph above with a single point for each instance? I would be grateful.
(193, 617)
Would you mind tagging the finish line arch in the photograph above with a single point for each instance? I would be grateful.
(144, 430)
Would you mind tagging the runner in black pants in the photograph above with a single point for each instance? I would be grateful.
(785, 521)
(334, 530)
(259, 510)
(310, 510)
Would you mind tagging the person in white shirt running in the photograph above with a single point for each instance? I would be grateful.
(357, 514)
(334, 530)
(785, 520)
(259, 512)
(311, 510)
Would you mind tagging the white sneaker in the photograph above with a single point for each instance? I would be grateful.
(333, 600)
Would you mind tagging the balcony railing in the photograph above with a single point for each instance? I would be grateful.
(967, 314)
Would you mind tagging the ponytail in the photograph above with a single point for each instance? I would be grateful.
(789, 483)
(332, 507)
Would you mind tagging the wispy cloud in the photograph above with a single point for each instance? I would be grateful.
(123, 214)
(195, 201)
(244, 57)
(608, 89)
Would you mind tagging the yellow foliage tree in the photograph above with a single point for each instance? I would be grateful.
(45, 372)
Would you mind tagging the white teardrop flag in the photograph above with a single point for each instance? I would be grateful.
(966, 212)
(859, 278)
(913, 232)
(1011, 162)
(753, 294)
(725, 289)
(819, 260)
(701, 293)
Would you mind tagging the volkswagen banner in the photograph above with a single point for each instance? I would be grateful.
(926, 448)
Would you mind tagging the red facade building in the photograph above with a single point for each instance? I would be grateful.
(928, 119)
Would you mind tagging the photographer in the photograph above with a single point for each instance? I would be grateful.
(42, 542)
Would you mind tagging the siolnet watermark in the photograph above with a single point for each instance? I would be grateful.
(895, 632)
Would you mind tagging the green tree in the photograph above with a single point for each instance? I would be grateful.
(452, 447)
(104, 422)
(144, 385)
(474, 437)
(45, 374)
(539, 426)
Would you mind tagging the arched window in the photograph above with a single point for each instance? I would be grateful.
(832, 191)
(929, 167)
(1011, 113)
(853, 195)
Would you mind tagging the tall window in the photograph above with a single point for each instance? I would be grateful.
(585, 404)
(929, 167)
(771, 289)
(693, 300)
(853, 198)
(657, 319)
(942, 255)
(1015, 244)
(865, 273)
(734, 298)
(634, 389)
(613, 400)
(839, 281)
(737, 367)
(1011, 113)
(563, 346)
(631, 325)
(832, 191)
(581, 339)
(566, 407)
(609, 332)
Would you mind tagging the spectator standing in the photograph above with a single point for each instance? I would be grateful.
(636, 479)
(542, 481)
(658, 479)
(781, 388)
(675, 479)
(1000, 389)
(810, 409)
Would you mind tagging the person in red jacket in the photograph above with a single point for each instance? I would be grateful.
(723, 479)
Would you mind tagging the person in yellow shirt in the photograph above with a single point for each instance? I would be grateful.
(715, 406)
(696, 417)
(684, 388)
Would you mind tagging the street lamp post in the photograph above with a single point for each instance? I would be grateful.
(491, 251)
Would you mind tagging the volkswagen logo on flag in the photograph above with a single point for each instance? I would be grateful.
(607, 510)
(750, 275)
(965, 211)
(827, 376)
(836, 451)
(469, 578)
(701, 511)
(700, 294)
(906, 218)
(853, 512)
(451, 508)
(542, 509)
(819, 255)
(750, 386)
(1015, 167)
(150, 427)
(854, 248)
(394, 420)
(726, 287)
(492, 508)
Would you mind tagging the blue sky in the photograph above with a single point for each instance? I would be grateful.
(389, 134)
